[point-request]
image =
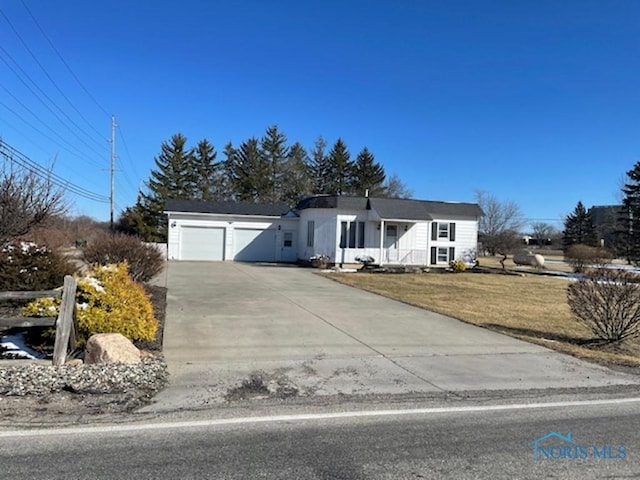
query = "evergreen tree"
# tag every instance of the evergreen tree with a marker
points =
(340, 174)
(297, 172)
(249, 172)
(206, 172)
(172, 178)
(579, 228)
(275, 151)
(628, 234)
(319, 167)
(368, 175)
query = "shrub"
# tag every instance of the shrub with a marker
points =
(145, 261)
(108, 301)
(26, 266)
(457, 266)
(607, 301)
(580, 256)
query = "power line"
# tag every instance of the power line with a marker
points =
(53, 82)
(62, 59)
(22, 160)
(43, 123)
(47, 97)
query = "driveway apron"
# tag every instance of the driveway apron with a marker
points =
(304, 334)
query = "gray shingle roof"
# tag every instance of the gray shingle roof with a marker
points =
(226, 208)
(406, 209)
(393, 208)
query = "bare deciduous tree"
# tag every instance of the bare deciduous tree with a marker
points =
(607, 301)
(500, 226)
(542, 232)
(27, 199)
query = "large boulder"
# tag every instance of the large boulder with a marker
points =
(110, 348)
(528, 258)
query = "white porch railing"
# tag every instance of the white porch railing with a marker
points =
(389, 256)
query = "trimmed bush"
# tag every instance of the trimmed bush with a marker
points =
(145, 261)
(607, 300)
(26, 266)
(580, 256)
(457, 266)
(108, 301)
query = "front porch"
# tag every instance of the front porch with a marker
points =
(383, 256)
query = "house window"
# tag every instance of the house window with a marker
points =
(344, 229)
(360, 234)
(288, 239)
(440, 255)
(443, 231)
(351, 234)
(310, 232)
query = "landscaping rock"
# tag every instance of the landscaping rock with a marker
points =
(110, 348)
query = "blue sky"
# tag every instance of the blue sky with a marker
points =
(533, 101)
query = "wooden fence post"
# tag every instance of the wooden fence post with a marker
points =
(66, 322)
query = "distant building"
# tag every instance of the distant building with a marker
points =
(607, 219)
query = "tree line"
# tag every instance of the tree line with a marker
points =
(618, 230)
(258, 170)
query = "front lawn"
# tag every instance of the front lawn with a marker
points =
(531, 307)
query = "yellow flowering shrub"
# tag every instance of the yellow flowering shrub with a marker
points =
(457, 266)
(108, 301)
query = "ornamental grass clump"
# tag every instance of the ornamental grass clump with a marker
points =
(108, 301)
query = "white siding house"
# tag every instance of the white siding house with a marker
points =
(345, 229)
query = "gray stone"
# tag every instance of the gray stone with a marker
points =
(110, 348)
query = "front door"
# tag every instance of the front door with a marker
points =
(289, 253)
(391, 242)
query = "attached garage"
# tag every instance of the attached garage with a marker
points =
(201, 243)
(226, 231)
(253, 245)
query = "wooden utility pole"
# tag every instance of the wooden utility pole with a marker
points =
(112, 170)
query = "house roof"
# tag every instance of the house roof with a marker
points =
(226, 208)
(394, 208)
(333, 201)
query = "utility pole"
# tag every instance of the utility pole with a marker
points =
(112, 170)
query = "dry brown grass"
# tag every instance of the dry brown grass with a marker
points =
(531, 307)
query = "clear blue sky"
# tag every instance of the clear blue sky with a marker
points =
(534, 101)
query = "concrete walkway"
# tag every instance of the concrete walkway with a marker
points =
(303, 332)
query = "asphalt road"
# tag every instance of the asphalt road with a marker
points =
(474, 442)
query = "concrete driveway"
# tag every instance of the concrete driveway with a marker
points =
(306, 334)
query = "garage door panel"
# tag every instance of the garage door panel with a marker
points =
(201, 243)
(253, 245)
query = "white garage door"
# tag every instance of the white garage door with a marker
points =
(254, 245)
(201, 243)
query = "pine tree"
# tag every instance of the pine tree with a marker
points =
(275, 151)
(629, 232)
(579, 228)
(206, 172)
(249, 172)
(172, 178)
(297, 172)
(319, 167)
(368, 175)
(340, 174)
